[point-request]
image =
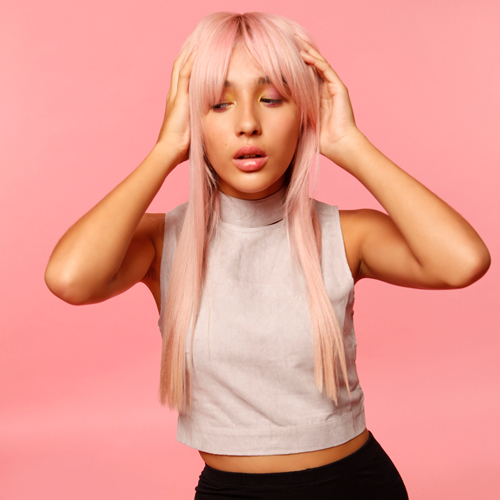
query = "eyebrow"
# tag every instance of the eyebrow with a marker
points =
(263, 80)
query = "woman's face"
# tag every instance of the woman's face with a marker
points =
(250, 113)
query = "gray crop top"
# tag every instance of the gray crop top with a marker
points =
(253, 360)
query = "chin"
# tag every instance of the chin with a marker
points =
(251, 189)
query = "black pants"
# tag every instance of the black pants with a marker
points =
(368, 473)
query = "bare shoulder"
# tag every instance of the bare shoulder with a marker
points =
(362, 219)
(154, 225)
(356, 224)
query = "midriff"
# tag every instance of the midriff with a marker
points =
(263, 464)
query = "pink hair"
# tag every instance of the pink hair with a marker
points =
(271, 41)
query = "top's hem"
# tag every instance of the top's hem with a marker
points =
(276, 441)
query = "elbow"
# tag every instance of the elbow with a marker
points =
(63, 285)
(471, 269)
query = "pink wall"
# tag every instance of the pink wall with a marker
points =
(82, 93)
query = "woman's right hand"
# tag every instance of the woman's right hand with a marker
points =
(115, 244)
(175, 130)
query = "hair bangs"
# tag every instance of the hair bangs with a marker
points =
(271, 41)
(211, 64)
(271, 51)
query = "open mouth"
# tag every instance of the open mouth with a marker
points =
(248, 152)
(250, 162)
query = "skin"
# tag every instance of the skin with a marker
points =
(421, 242)
(256, 115)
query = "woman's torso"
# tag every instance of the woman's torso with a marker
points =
(267, 463)
(284, 463)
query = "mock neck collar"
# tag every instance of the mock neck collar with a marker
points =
(252, 213)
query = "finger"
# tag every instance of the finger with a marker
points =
(324, 69)
(185, 73)
(175, 73)
(178, 63)
(309, 48)
(314, 57)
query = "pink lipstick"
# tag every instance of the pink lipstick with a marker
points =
(250, 158)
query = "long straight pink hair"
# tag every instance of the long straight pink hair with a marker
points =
(271, 41)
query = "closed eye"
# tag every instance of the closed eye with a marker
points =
(272, 102)
(221, 106)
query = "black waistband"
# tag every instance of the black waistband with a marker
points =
(323, 472)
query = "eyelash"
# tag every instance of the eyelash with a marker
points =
(264, 99)
(272, 101)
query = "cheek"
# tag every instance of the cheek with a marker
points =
(290, 130)
(214, 144)
(209, 139)
(214, 137)
(289, 139)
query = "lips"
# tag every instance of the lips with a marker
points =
(250, 158)
(249, 151)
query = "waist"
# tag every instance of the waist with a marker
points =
(284, 463)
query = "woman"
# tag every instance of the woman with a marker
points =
(254, 280)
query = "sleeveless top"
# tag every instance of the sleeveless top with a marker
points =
(253, 384)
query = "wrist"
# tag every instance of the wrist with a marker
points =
(171, 154)
(347, 150)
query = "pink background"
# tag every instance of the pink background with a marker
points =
(83, 85)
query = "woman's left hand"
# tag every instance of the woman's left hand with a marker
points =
(337, 117)
(422, 242)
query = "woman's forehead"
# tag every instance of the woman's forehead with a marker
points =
(244, 70)
(257, 82)
(242, 62)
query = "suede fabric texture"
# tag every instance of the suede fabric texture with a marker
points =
(253, 360)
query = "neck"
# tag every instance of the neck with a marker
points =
(252, 213)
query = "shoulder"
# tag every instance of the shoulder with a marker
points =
(352, 221)
(356, 222)
(153, 224)
(357, 226)
(324, 210)
(175, 218)
(156, 226)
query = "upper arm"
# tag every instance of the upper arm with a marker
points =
(141, 261)
(376, 249)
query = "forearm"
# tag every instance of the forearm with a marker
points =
(442, 241)
(91, 251)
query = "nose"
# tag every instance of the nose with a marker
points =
(247, 120)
